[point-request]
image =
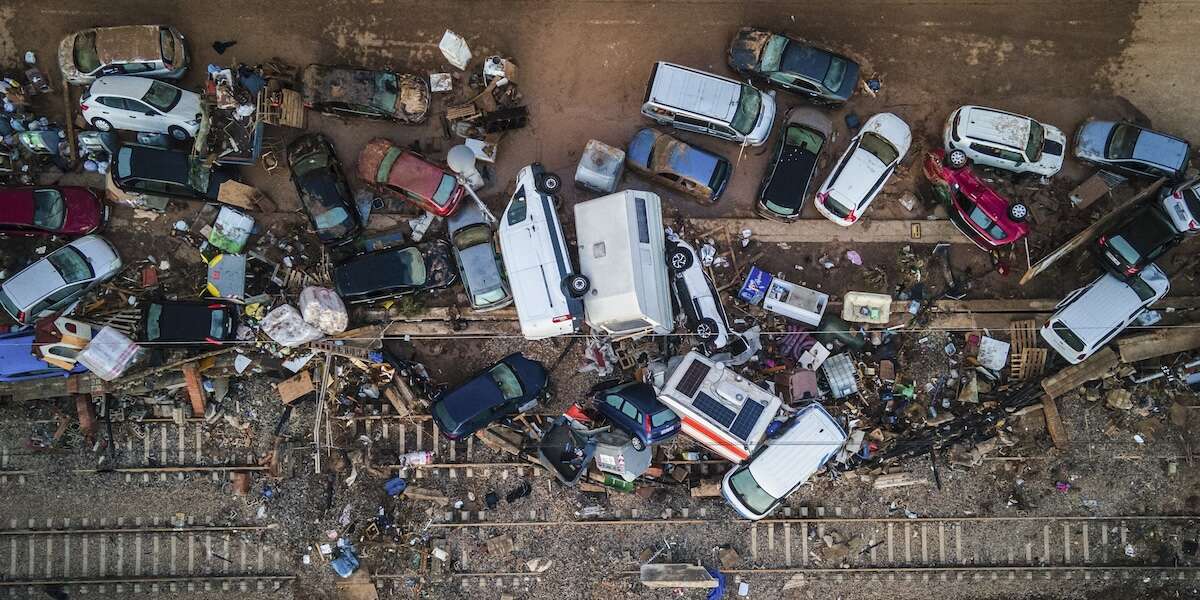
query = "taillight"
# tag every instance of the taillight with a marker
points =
(561, 318)
(1192, 225)
(1102, 239)
(1131, 270)
(20, 315)
(821, 197)
(851, 217)
(1177, 195)
(212, 341)
(83, 106)
(647, 425)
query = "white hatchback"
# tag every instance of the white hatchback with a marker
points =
(1092, 316)
(59, 278)
(1004, 140)
(141, 104)
(863, 170)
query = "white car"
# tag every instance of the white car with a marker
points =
(59, 279)
(695, 294)
(546, 289)
(141, 104)
(1004, 140)
(863, 170)
(1182, 205)
(1092, 316)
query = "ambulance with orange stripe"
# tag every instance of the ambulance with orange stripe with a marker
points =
(719, 408)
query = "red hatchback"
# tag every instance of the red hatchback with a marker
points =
(405, 174)
(985, 217)
(62, 210)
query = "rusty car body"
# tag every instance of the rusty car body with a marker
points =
(366, 94)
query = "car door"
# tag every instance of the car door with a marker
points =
(633, 415)
(112, 109)
(148, 118)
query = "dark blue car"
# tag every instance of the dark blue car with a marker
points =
(17, 362)
(634, 407)
(510, 387)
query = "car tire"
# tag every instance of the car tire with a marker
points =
(706, 330)
(576, 285)
(101, 124)
(549, 184)
(680, 259)
(1018, 212)
(957, 159)
(179, 134)
(638, 444)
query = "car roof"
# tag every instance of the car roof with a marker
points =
(16, 205)
(856, 179)
(798, 452)
(415, 174)
(790, 176)
(373, 271)
(1160, 149)
(186, 320)
(34, 282)
(805, 60)
(16, 353)
(336, 83)
(123, 85)
(676, 156)
(128, 43)
(995, 126)
(1108, 302)
(695, 91)
(157, 163)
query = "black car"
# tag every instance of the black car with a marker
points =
(162, 172)
(189, 322)
(1136, 241)
(512, 386)
(395, 272)
(804, 135)
(793, 66)
(324, 194)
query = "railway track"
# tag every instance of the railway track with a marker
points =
(136, 555)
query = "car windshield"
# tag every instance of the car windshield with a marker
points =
(747, 112)
(49, 210)
(879, 147)
(471, 236)
(162, 96)
(835, 74)
(772, 54)
(386, 90)
(506, 380)
(491, 296)
(123, 161)
(1121, 141)
(216, 327)
(166, 42)
(70, 264)
(329, 218)
(1037, 135)
(1068, 336)
(662, 417)
(985, 223)
(86, 58)
(445, 190)
(749, 493)
(153, 315)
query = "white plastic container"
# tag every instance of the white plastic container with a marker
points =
(795, 302)
(109, 354)
(865, 307)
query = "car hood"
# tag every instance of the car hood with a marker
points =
(66, 58)
(479, 264)
(85, 210)
(1091, 139)
(1159, 149)
(188, 107)
(746, 48)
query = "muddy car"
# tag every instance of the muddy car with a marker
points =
(676, 164)
(786, 185)
(981, 214)
(145, 50)
(793, 66)
(365, 94)
(395, 272)
(324, 194)
(391, 170)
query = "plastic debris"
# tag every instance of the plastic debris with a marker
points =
(854, 257)
(455, 49)
(708, 253)
(323, 308)
(286, 326)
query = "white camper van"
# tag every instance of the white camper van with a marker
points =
(620, 239)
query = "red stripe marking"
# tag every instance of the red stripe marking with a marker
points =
(715, 438)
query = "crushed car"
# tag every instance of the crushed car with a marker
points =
(143, 50)
(979, 212)
(366, 94)
(676, 164)
(404, 174)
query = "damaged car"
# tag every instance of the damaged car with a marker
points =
(317, 174)
(392, 170)
(395, 272)
(793, 66)
(154, 171)
(788, 180)
(143, 50)
(50, 210)
(366, 94)
(634, 408)
(513, 386)
(695, 294)
(1182, 204)
(189, 322)
(1136, 241)
(678, 165)
(981, 214)
(1004, 140)
(59, 279)
(865, 167)
(473, 239)
(1132, 150)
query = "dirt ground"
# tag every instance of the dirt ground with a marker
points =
(583, 70)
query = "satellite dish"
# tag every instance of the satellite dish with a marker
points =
(461, 160)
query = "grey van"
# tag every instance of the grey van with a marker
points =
(694, 100)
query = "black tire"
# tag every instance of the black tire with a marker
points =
(638, 444)
(957, 159)
(1018, 212)
(101, 124)
(179, 134)
(680, 259)
(549, 184)
(576, 285)
(706, 330)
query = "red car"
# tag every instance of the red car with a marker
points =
(392, 170)
(62, 210)
(985, 217)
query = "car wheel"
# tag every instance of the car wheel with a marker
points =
(680, 259)
(1018, 212)
(957, 159)
(549, 184)
(638, 444)
(577, 285)
(179, 133)
(706, 330)
(101, 124)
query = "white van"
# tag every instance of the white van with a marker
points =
(546, 289)
(697, 101)
(718, 407)
(1092, 316)
(620, 239)
(756, 488)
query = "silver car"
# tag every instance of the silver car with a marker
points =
(143, 50)
(59, 279)
(472, 238)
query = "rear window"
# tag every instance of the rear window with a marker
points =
(1037, 135)
(49, 210)
(1193, 202)
(835, 75)
(166, 41)
(1124, 249)
(124, 156)
(662, 417)
(1068, 336)
(86, 58)
(153, 316)
(643, 226)
(1141, 288)
(70, 264)
(216, 327)
(506, 379)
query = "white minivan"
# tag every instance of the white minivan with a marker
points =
(1092, 316)
(547, 291)
(694, 100)
(620, 238)
(757, 487)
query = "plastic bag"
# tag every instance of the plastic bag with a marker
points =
(110, 353)
(286, 326)
(323, 308)
(455, 49)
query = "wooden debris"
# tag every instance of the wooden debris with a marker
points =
(416, 493)
(86, 415)
(707, 489)
(657, 576)
(1098, 366)
(538, 565)
(195, 390)
(241, 483)
(896, 480)
(1158, 343)
(500, 546)
(296, 387)
(501, 439)
(396, 401)
(1054, 424)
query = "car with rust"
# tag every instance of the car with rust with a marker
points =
(978, 211)
(1132, 150)
(676, 164)
(1004, 140)
(143, 50)
(65, 210)
(394, 272)
(1135, 241)
(365, 93)
(864, 168)
(793, 65)
(324, 194)
(404, 174)
(804, 135)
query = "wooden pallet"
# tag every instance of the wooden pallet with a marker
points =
(1024, 334)
(1028, 363)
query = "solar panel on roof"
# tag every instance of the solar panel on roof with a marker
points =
(692, 378)
(714, 409)
(744, 424)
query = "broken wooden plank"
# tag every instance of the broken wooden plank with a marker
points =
(1054, 424)
(195, 389)
(1158, 343)
(295, 387)
(1095, 367)
(657, 576)
(896, 480)
(393, 398)
(707, 489)
(416, 493)
(820, 231)
(501, 439)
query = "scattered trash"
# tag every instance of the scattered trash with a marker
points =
(854, 257)
(455, 49)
